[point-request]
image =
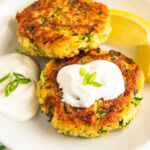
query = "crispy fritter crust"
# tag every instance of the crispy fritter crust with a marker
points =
(60, 28)
(101, 117)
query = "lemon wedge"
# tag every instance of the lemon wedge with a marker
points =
(143, 59)
(128, 29)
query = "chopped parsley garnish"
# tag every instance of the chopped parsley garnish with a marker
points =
(11, 86)
(89, 78)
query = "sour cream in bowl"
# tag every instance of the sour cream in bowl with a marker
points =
(18, 77)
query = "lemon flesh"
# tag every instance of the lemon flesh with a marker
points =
(128, 29)
(143, 59)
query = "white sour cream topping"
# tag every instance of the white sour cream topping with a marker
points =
(78, 95)
(21, 104)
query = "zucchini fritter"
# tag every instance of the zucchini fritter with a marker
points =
(101, 117)
(61, 28)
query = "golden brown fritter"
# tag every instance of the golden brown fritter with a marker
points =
(61, 28)
(101, 117)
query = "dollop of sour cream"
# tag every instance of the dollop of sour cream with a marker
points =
(22, 103)
(78, 95)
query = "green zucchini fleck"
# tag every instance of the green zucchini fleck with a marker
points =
(103, 113)
(100, 13)
(69, 133)
(122, 124)
(136, 101)
(50, 113)
(136, 91)
(103, 131)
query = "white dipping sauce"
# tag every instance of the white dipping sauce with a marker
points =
(108, 74)
(22, 103)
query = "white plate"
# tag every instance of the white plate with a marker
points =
(37, 134)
